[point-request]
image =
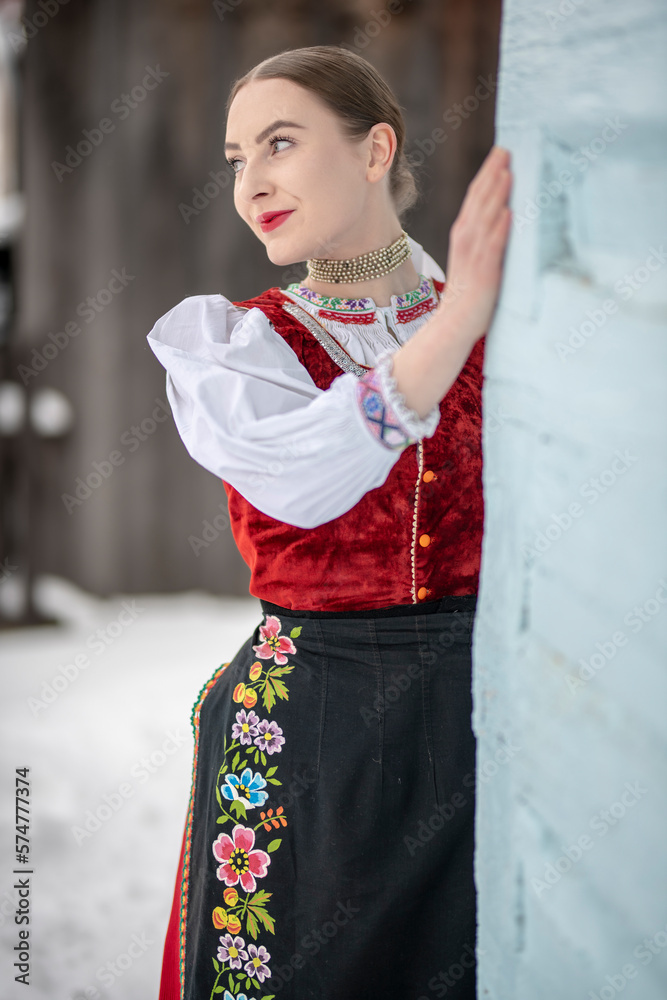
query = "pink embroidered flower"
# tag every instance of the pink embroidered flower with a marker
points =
(232, 950)
(238, 860)
(257, 965)
(245, 727)
(274, 646)
(269, 736)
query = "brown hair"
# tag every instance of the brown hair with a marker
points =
(352, 89)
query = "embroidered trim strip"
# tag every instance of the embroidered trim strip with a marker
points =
(379, 415)
(185, 875)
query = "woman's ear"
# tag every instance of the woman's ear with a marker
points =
(381, 150)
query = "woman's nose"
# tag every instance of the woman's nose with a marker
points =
(253, 182)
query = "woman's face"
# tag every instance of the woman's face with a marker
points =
(290, 155)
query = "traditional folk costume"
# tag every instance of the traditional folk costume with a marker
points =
(328, 847)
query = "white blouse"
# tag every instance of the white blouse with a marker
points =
(249, 412)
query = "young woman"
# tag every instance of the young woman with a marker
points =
(328, 848)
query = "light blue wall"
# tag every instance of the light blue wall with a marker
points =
(570, 642)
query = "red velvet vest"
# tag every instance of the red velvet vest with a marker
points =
(416, 538)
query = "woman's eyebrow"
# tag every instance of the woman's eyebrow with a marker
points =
(266, 132)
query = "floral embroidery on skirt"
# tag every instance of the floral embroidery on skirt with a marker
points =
(240, 962)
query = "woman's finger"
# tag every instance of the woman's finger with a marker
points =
(472, 229)
(484, 183)
(496, 199)
(497, 159)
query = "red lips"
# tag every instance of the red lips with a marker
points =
(267, 216)
(271, 220)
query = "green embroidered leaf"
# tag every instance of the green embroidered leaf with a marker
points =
(268, 696)
(256, 756)
(235, 762)
(231, 981)
(238, 808)
(260, 898)
(247, 983)
(259, 913)
(263, 756)
(281, 690)
(279, 671)
(216, 965)
(274, 781)
(274, 845)
(272, 770)
(267, 920)
(268, 996)
(251, 923)
(218, 989)
(296, 632)
(255, 983)
(217, 796)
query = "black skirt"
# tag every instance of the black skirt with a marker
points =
(328, 850)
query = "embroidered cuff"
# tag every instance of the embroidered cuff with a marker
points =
(384, 409)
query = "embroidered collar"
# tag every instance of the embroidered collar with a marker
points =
(405, 307)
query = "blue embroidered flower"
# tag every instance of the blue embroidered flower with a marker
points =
(247, 789)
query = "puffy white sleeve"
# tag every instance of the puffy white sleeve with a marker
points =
(249, 412)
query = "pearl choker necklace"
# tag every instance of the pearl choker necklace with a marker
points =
(373, 264)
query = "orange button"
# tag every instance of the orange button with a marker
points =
(424, 540)
(428, 476)
(421, 593)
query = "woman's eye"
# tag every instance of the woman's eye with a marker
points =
(275, 142)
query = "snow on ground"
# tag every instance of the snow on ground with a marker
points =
(119, 715)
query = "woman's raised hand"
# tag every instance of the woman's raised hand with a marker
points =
(477, 242)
